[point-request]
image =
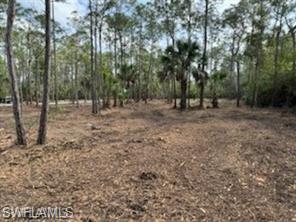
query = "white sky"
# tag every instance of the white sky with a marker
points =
(62, 10)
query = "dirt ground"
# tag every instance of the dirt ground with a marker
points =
(153, 163)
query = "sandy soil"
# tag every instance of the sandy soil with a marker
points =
(153, 163)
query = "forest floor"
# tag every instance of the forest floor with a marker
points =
(153, 163)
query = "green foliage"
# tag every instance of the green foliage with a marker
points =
(180, 57)
(4, 81)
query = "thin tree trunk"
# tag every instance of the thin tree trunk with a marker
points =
(189, 41)
(29, 94)
(183, 93)
(140, 66)
(72, 76)
(148, 75)
(175, 92)
(115, 66)
(85, 94)
(232, 61)
(255, 83)
(258, 60)
(174, 75)
(20, 131)
(54, 57)
(121, 50)
(20, 84)
(115, 53)
(37, 82)
(96, 59)
(238, 96)
(76, 80)
(276, 65)
(94, 81)
(292, 30)
(189, 88)
(294, 50)
(29, 98)
(44, 109)
(204, 57)
(101, 65)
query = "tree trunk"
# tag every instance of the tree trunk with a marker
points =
(258, 59)
(189, 88)
(189, 41)
(174, 75)
(232, 62)
(276, 64)
(255, 82)
(149, 74)
(183, 84)
(140, 68)
(115, 66)
(96, 59)
(29, 92)
(101, 66)
(44, 109)
(20, 131)
(76, 80)
(93, 77)
(215, 102)
(238, 96)
(204, 57)
(175, 92)
(115, 100)
(37, 82)
(293, 35)
(115, 53)
(72, 77)
(54, 70)
(121, 50)
(20, 84)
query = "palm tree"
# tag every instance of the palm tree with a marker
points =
(181, 57)
(216, 80)
(168, 73)
(200, 76)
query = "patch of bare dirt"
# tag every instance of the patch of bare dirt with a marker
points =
(153, 163)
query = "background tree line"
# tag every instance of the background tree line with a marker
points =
(122, 51)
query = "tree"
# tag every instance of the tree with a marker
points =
(235, 19)
(4, 80)
(54, 64)
(152, 29)
(204, 55)
(184, 54)
(215, 81)
(94, 96)
(168, 71)
(280, 9)
(291, 23)
(20, 131)
(260, 26)
(115, 51)
(169, 13)
(102, 7)
(45, 100)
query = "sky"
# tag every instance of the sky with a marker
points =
(63, 11)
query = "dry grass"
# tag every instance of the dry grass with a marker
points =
(153, 163)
